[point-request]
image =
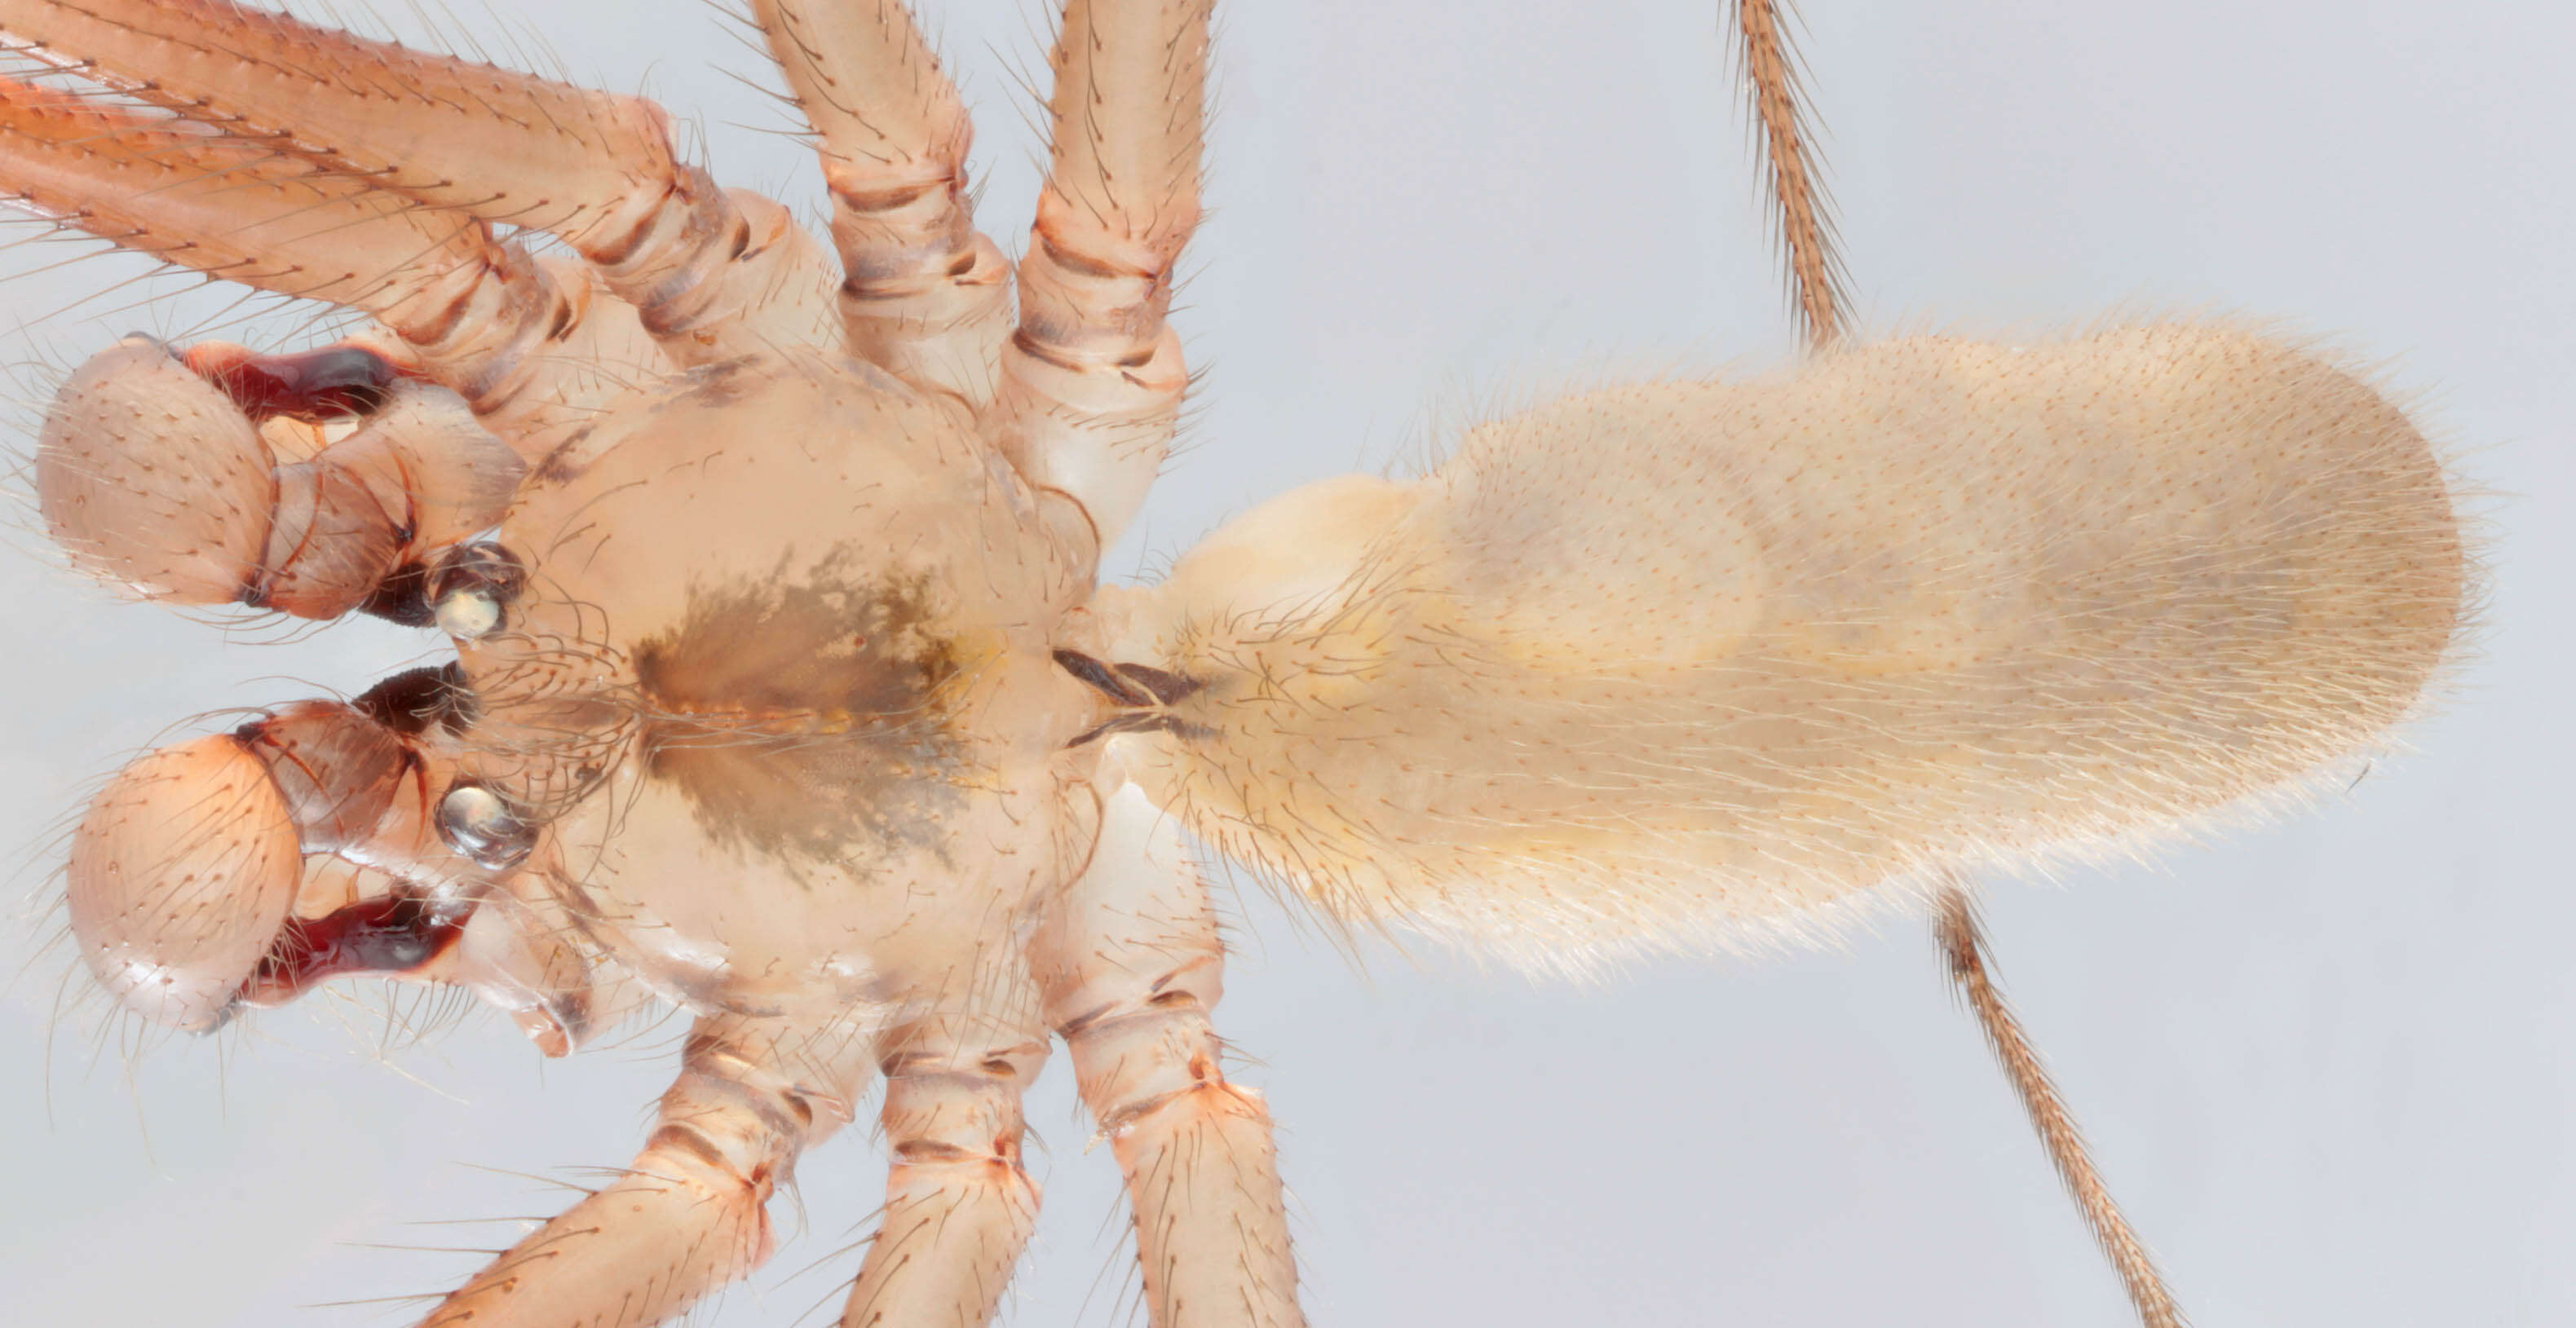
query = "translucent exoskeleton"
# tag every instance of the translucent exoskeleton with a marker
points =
(1572, 1139)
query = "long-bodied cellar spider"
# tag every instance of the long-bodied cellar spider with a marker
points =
(1478, 1141)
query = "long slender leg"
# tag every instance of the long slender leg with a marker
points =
(925, 295)
(689, 1215)
(1805, 215)
(1963, 946)
(1092, 381)
(715, 273)
(1132, 966)
(468, 311)
(959, 1204)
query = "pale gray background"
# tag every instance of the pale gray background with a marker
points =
(2328, 1065)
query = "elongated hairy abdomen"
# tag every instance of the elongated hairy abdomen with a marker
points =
(1678, 664)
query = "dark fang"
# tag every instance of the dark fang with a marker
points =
(417, 700)
(1143, 721)
(314, 385)
(393, 934)
(1165, 686)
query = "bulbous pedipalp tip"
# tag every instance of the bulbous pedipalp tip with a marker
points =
(183, 871)
(153, 474)
(152, 479)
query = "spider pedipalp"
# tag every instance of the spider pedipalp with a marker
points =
(191, 869)
(155, 473)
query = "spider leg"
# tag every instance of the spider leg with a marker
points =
(1965, 952)
(1092, 381)
(959, 1204)
(518, 340)
(1131, 966)
(690, 1214)
(716, 274)
(926, 296)
(1803, 214)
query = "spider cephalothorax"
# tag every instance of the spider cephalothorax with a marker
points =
(835, 692)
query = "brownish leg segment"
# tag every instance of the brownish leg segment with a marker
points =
(1803, 216)
(1963, 946)
(1803, 213)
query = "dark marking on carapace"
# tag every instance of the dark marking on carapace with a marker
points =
(806, 719)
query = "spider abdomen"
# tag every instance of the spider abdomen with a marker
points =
(1684, 663)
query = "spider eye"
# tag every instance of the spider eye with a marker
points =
(481, 825)
(472, 587)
